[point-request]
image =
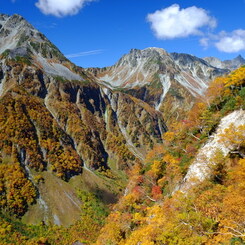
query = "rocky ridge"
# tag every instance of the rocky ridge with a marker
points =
(169, 82)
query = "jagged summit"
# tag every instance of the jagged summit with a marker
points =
(154, 69)
(12, 31)
(138, 67)
(240, 58)
(235, 63)
(137, 56)
(148, 51)
(14, 19)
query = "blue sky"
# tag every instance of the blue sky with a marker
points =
(98, 32)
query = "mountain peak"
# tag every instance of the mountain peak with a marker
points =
(235, 63)
(239, 58)
(137, 56)
(159, 50)
(142, 70)
(226, 64)
(19, 38)
(14, 21)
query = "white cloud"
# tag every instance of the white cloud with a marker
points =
(228, 42)
(204, 42)
(173, 22)
(61, 8)
(231, 42)
(85, 53)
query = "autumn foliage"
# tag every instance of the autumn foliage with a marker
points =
(150, 210)
(213, 212)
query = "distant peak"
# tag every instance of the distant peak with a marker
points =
(20, 38)
(239, 57)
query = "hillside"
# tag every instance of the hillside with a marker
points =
(60, 129)
(163, 201)
(190, 190)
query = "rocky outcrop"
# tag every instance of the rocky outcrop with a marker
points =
(203, 164)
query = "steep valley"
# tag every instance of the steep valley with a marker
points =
(55, 120)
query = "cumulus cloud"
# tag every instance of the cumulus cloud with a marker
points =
(61, 8)
(173, 22)
(231, 42)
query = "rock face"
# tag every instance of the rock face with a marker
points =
(59, 124)
(140, 68)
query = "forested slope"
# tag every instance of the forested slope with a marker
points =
(212, 209)
(152, 210)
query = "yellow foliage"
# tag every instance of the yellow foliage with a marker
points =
(169, 136)
(156, 167)
(234, 136)
(236, 78)
(17, 191)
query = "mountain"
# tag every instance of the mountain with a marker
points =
(168, 82)
(226, 64)
(61, 131)
(20, 38)
(153, 135)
